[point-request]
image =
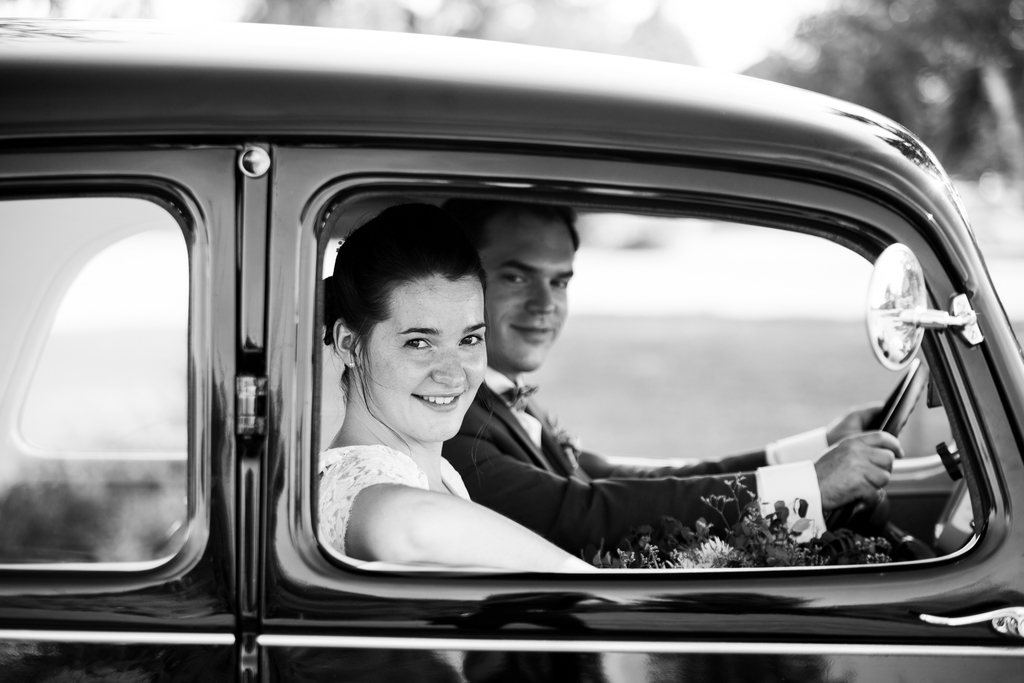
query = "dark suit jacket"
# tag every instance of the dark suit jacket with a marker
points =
(542, 490)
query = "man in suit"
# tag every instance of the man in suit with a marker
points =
(514, 461)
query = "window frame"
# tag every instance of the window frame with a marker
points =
(925, 466)
(312, 180)
(163, 179)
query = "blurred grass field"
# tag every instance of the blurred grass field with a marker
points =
(706, 387)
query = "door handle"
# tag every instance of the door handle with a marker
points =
(1008, 620)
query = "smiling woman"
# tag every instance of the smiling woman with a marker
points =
(417, 368)
(404, 311)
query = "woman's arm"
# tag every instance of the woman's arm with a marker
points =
(394, 523)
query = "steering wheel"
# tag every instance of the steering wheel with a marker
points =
(872, 517)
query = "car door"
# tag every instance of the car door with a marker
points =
(325, 619)
(117, 395)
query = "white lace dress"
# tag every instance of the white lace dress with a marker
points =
(344, 472)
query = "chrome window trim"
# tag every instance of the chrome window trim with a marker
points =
(631, 646)
(119, 637)
(397, 570)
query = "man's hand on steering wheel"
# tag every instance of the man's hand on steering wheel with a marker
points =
(859, 420)
(867, 506)
(856, 468)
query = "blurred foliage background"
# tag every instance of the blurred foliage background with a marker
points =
(950, 71)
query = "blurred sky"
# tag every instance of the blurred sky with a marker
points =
(727, 35)
(733, 35)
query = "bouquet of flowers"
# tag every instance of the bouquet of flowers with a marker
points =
(753, 541)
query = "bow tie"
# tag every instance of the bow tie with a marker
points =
(516, 397)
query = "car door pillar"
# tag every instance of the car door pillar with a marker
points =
(253, 174)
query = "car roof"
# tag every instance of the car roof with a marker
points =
(149, 81)
(153, 78)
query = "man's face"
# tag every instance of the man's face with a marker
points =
(528, 260)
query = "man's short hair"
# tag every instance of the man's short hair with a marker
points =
(474, 214)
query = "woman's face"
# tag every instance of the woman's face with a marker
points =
(425, 362)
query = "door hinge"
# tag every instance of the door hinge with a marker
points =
(250, 405)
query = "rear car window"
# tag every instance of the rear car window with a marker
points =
(93, 369)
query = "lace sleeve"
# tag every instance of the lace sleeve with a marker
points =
(347, 471)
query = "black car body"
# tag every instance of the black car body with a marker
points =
(165, 114)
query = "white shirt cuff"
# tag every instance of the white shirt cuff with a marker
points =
(792, 484)
(807, 446)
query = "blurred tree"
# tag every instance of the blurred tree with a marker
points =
(950, 71)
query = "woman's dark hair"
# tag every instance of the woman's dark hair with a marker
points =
(401, 244)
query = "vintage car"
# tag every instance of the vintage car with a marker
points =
(171, 199)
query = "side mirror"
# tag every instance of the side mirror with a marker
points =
(897, 312)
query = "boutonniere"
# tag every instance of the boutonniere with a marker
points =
(568, 442)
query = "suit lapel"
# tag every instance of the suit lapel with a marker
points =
(504, 414)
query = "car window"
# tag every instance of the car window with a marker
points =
(93, 360)
(709, 338)
(692, 339)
